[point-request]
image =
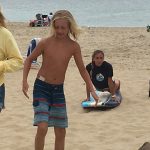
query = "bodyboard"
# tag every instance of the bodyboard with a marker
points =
(106, 100)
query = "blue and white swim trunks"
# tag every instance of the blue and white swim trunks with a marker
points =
(49, 104)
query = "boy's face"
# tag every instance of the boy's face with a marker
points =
(61, 28)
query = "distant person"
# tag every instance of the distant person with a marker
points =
(101, 73)
(148, 28)
(10, 56)
(48, 94)
(33, 43)
(50, 17)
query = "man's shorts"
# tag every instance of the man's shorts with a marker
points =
(49, 104)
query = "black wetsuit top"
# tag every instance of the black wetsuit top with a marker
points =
(100, 74)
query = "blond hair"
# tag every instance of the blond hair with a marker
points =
(73, 27)
(2, 19)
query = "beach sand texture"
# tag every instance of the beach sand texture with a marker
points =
(126, 127)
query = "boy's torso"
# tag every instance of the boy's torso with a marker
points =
(56, 56)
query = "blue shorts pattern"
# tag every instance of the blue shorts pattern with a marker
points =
(2, 96)
(49, 104)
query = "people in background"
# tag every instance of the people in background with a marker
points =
(50, 15)
(33, 43)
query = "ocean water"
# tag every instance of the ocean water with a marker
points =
(103, 13)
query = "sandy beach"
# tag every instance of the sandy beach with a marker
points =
(126, 127)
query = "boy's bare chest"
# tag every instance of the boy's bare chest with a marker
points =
(60, 54)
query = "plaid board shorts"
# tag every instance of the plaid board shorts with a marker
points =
(49, 104)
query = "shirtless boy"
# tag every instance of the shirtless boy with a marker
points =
(48, 95)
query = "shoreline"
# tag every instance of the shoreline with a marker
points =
(83, 26)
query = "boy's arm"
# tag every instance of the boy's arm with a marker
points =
(27, 64)
(87, 93)
(26, 69)
(83, 72)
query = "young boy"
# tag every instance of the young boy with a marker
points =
(48, 95)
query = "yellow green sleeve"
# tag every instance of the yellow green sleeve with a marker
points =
(14, 60)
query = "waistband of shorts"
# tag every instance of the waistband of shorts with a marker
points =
(42, 81)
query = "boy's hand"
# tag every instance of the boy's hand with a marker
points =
(25, 88)
(95, 97)
(86, 99)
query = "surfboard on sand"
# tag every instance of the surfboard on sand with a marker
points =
(106, 100)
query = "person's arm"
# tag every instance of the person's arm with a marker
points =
(87, 90)
(110, 82)
(13, 59)
(27, 64)
(84, 73)
(88, 68)
(87, 94)
(111, 86)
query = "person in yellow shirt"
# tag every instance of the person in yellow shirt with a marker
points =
(10, 56)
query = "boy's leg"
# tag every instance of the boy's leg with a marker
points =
(41, 113)
(59, 138)
(40, 135)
